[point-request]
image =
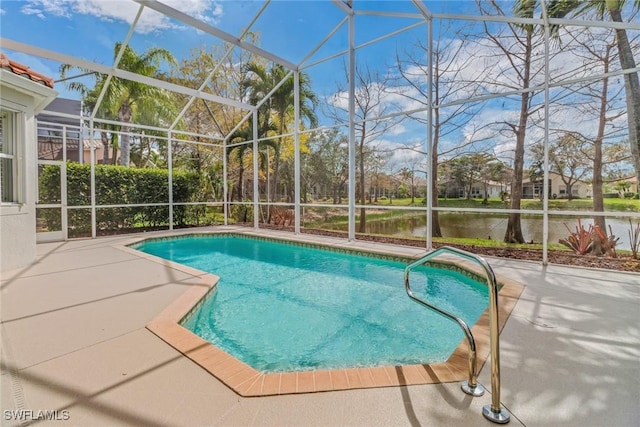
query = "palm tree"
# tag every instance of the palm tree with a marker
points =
(562, 8)
(280, 106)
(127, 99)
(245, 134)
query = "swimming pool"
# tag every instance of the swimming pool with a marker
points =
(280, 307)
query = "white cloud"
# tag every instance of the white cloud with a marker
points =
(2, 11)
(125, 11)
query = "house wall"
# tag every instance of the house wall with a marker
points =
(583, 189)
(18, 220)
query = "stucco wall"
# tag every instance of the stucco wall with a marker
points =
(17, 221)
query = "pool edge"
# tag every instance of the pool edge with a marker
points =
(248, 382)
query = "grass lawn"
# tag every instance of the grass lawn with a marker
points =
(612, 205)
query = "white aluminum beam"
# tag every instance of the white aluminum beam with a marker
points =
(326, 58)
(430, 150)
(391, 34)
(360, 46)
(296, 161)
(389, 14)
(545, 158)
(343, 7)
(424, 10)
(116, 61)
(236, 127)
(272, 91)
(209, 29)
(92, 177)
(315, 49)
(539, 21)
(352, 129)
(225, 191)
(256, 193)
(170, 178)
(217, 66)
(127, 75)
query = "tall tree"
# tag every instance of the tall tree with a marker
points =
(279, 108)
(370, 103)
(469, 169)
(517, 46)
(408, 177)
(328, 159)
(450, 60)
(567, 158)
(561, 8)
(596, 51)
(238, 152)
(127, 98)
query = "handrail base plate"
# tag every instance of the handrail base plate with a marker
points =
(500, 417)
(476, 391)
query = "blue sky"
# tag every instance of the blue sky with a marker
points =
(89, 29)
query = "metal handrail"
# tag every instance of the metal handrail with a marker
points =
(494, 412)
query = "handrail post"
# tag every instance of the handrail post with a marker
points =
(470, 386)
(493, 412)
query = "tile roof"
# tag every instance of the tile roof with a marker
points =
(23, 70)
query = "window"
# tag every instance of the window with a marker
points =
(562, 189)
(8, 163)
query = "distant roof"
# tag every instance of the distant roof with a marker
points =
(628, 179)
(23, 70)
(66, 106)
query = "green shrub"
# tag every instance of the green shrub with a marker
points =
(118, 185)
(242, 213)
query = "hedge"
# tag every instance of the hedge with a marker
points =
(118, 185)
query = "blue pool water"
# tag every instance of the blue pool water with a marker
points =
(281, 307)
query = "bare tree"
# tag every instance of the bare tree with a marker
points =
(614, 8)
(370, 103)
(596, 135)
(567, 158)
(514, 52)
(449, 60)
(327, 160)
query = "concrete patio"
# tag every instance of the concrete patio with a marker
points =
(74, 339)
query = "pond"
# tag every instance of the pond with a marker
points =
(486, 226)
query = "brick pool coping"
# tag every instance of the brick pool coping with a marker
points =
(247, 381)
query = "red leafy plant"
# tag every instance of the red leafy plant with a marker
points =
(634, 239)
(581, 240)
(607, 243)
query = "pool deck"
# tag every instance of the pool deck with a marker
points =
(74, 339)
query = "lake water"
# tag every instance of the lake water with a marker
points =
(483, 226)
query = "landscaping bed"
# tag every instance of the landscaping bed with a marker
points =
(621, 263)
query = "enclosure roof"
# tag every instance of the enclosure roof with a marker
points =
(89, 37)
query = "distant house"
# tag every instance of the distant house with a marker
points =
(60, 124)
(453, 190)
(631, 181)
(557, 188)
(50, 148)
